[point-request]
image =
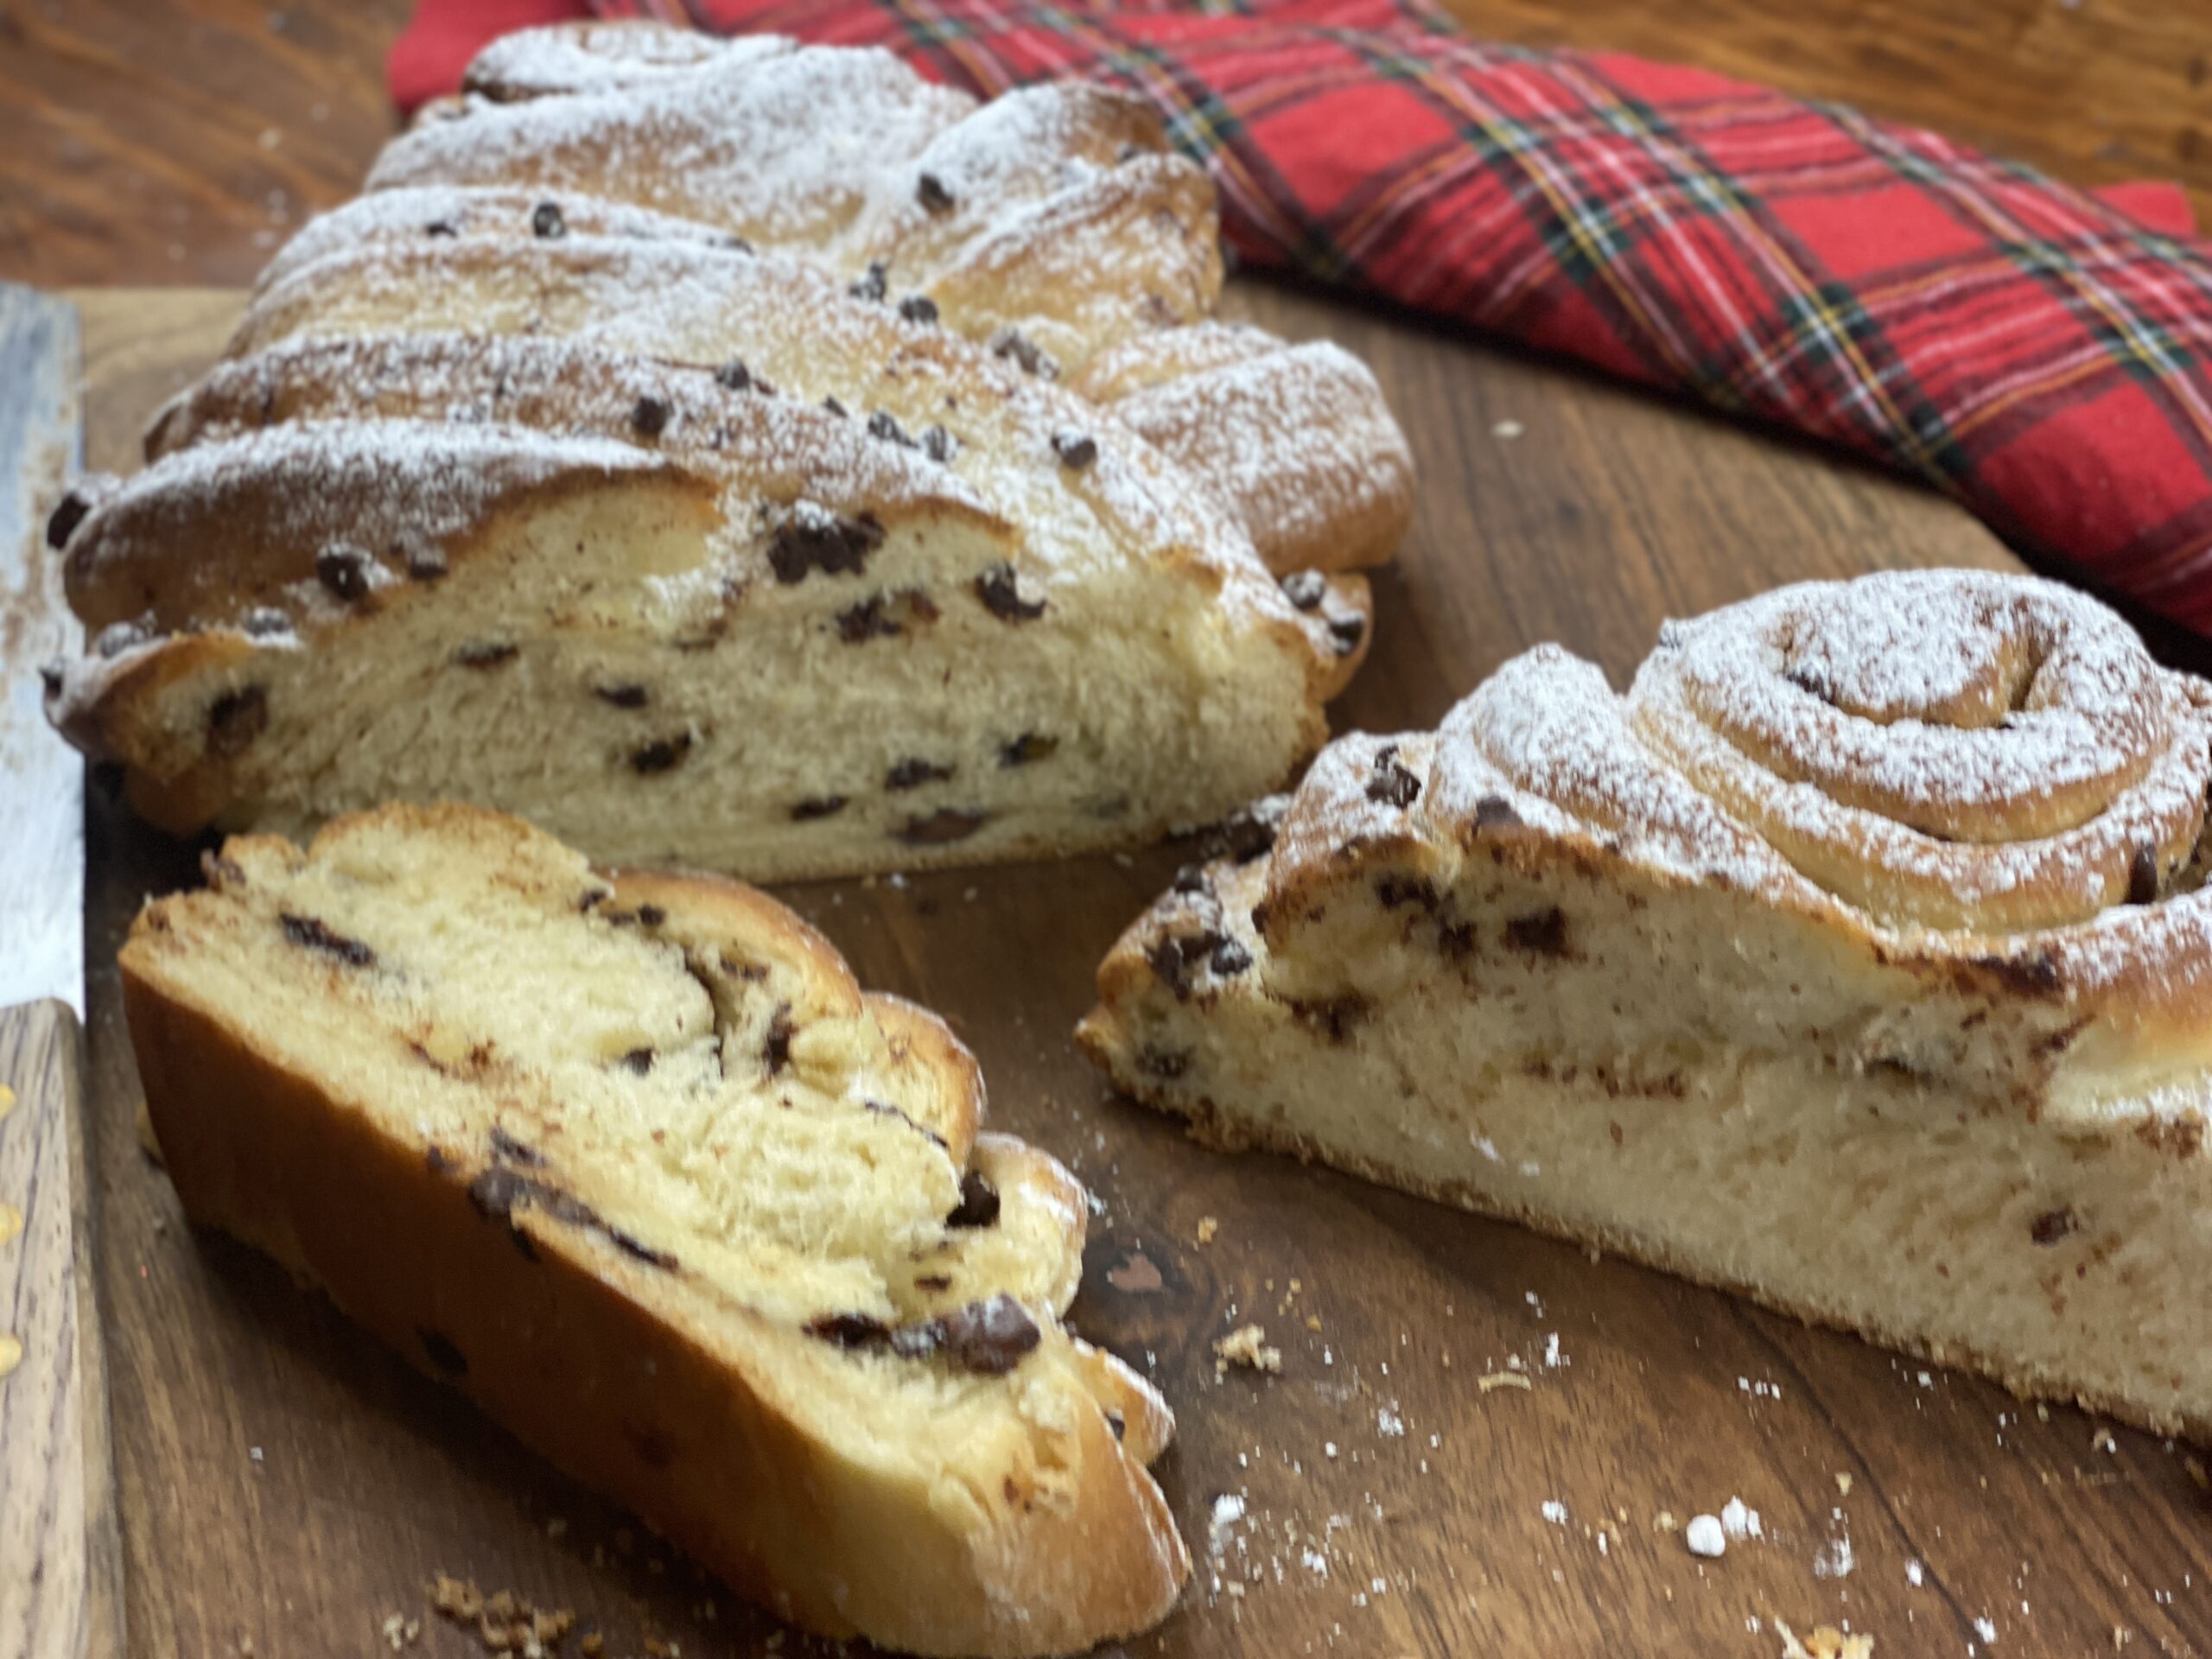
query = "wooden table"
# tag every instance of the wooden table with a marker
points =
(286, 1483)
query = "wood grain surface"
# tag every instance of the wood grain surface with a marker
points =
(289, 1485)
(162, 142)
(60, 1552)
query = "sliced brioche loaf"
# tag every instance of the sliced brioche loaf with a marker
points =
(633, 1163)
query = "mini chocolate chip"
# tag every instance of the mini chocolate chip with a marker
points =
(1074, 449)
(1012, 343)
(864, 621)
(442, 227)
(424, 559)
(917, 308)
(776, 1046)
(914, 771)
(930, 190)
(638, 1248)
(1305, 588)
(1173, 958)
(53, 675)
(989, 1338)
(1392, 784)
(68, 513)
(649, 415)
(1248, 832)
(1027, 749)
(734, 375)
(662, 754)
(874, 284)
(639, 1060)
(1115, 1420)
(836, 408)
(818, 807)
(547, 221)
(438, 1161)
(833, 546)
(624, 694)
(485, 653)
(939, 445)
(941, 828)
(731, 242)
(1394, 891)
(850, 1330)
(1495, 812)
(885, 425)
(310, 933)
(506, 1145)
(118, 637)
(650, 915)
(261, 621)
(235, 720)
(344, 569)
(2052, 1225)
(933, 1282)
(1347, 632)
(979, 1203)
(1000, 592)
(1541, 933)
(442, 1352)
(1192, 878)
(1231, 957)
(2143, 875)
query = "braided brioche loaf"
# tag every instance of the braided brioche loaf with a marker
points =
(633, 1163)
(1858, 959)
(674, 535)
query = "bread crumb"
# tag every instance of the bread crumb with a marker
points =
(1312, 1321)
(1489, 1380)
(1246, 1346)
(1842, 1484)
(1208, 1226)
(1824, 1643)
(401, 1633)
(1664, 1522)
(1706, 1537)
(2103, 1441)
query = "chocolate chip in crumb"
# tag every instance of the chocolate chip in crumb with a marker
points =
(941, 828)
(1495, 812)
(816, 806)
(776, 1046)
(506, 1146)
(917, 308)
(1000, 591)
(650, 915)
(1229, 958)
(442, 227)
(874, 284)
(424, 559)
(2052, 1225)
(624, 694)
(67, 514)
(830, 544)
(734, 375)
(979, 1203)
(884, 424)
(1541, 933)
(1305, 588)
(930, 190)
(1076, 450)
(649, 415)
(53, 675)
(1116, 1421)
(547, 221)
(850, 1330)
(939, 445)
(1027, 749)
(1347, 632)
(1192, 878)
(1025, 352)
(481, 654)
(343, 568)
(2143, 875)
(914, 771)
(662, 754)
(989, 1338)
(1247, 833)
(836, 408)
(235, 720)
(639, 1060)
(310, 933)
(1391, 784)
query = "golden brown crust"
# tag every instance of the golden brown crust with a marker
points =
(633, 1373)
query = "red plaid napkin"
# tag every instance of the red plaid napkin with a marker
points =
(2042, 353)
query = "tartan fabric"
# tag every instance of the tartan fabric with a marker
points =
(2040, 352)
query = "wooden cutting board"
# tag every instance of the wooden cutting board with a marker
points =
(288, 1485)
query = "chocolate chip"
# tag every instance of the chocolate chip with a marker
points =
(650, 915)
(442, 227)
(874, 284)
(818, 807)
(53, 675)
(1231, 957)
(624, 694)
(2143, 875)
(1392, 785)
(1192, 878)
(1394, 891)
(1495, 812)
(1305, 588)
(1248, 832)
(662, 754)
(424, 559)
(637, 1247)
(939, 445)
(865, 621)
(930, 190)
(831, 545)
(68, 513)
(1541, 933)
(1027, 749)
(979, 1203)
(917, 308)
(639, 1060)
(776, 1045)
(485, 653)
(235, 720)
(547, 221)
(442, 1352)
(1012, 343)
(344, 569)
(989, 1338)
(1115, 1420)
(734, 375)
(118, 637)
(1076, 450)
(506, 1145)
(1173, 958)
(2052, 1225)
(1347, 632)
(933, 1282)
(885, 425)
(1000, 592)
(836, 408)
(649, 415)
(850, 1330)
(941, 828)
(261, 621)
(914, 771)
(310, 933)
(731, 242)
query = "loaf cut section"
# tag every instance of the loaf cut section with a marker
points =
(633, 1163)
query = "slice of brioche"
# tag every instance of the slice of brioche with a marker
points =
(1579, 960)
(633, 1163)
